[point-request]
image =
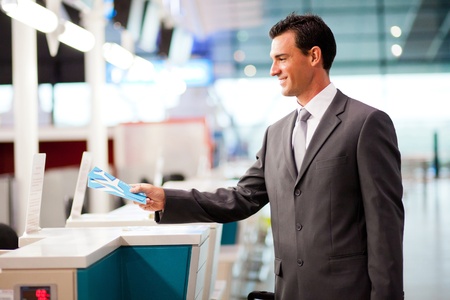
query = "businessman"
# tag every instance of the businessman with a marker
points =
(335, 192)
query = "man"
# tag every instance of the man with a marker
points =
(337, 221)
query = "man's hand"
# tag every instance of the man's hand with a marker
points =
(156, 199)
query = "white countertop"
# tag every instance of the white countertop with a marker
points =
(137, 217)
(72, 248)
(126, 215)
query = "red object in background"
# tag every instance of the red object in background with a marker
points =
(34, 293)
(41, 294)
(59, 154)
(6, 158)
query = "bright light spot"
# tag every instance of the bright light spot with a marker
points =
(171, 83)
(9, 6)
(45, 95)
(396, 50)
(250, 70)
(31, 14)
(6, 97)
(77, 37)
(116, 75)
(141, 70)
(118, 56)
(396, 31)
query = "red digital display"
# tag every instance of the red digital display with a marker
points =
(35, 293)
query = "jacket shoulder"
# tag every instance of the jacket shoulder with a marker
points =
(353, 105)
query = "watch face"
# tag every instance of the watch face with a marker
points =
(35, 292)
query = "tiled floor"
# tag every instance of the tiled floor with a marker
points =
(426, 245)
(427, 240)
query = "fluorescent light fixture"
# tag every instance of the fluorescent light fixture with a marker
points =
(118, 55)
(31, 14)
(150, 27)
(171, 83)
(8, 5)
(141, 70)
(76, 37)
(180, 46)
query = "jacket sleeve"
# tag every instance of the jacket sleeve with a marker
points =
(222, 206)
(379, 166)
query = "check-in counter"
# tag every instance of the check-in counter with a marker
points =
(141, 262)
(132, 215)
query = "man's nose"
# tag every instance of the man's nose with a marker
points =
(274, 70)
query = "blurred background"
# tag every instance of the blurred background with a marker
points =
(211, 59)
(203, 67)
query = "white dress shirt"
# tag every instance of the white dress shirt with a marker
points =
(317, 107)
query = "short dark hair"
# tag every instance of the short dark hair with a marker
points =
(310, 30)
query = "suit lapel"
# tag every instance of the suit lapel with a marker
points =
(287, 138)
(329, 122)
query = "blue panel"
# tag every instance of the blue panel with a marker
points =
(229, 233)
(136, 273)
(102, 280)
(155, 272)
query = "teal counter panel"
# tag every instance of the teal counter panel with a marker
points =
(229, 233)
(155, 272)
(102, 280)
(139, 272)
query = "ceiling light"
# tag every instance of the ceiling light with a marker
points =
(250, 70)
(76, 37)
(396, 50)
(171, 82)
(396, 31)
(118, 55)
(31, 14)
(141, 70)
(8, 5)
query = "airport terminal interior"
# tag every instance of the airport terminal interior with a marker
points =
(178, 93)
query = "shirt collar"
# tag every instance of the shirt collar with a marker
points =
(319, 104)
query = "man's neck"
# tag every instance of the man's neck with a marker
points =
(316, 88)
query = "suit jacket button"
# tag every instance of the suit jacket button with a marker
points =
(297, 193)
(299, 262)
(299, 226)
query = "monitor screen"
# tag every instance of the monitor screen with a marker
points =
(35, 292)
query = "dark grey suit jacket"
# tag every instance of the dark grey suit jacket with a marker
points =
(338, 224)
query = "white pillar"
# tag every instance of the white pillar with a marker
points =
(26, 141)
(95, 71)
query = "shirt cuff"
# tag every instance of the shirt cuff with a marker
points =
(158, 215)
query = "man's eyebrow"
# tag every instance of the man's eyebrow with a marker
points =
(279, 55)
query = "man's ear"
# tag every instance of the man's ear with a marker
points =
(316, 55)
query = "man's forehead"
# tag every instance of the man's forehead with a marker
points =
(282, 45)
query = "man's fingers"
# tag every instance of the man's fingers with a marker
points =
(136, 188)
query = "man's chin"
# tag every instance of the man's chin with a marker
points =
(286, 93)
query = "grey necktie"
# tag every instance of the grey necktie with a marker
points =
(300, 137)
